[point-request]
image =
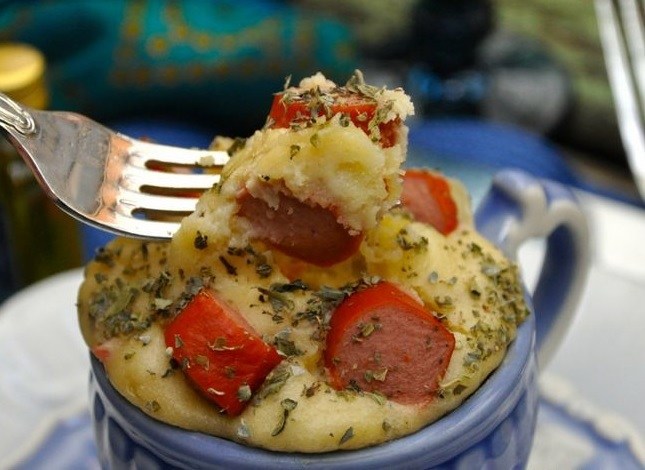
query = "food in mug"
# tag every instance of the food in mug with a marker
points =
(319, 297)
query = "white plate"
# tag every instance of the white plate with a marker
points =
(44, 369)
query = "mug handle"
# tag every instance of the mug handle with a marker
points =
(519, 207)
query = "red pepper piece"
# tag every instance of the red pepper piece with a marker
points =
(427, 196)
(382, 340)
(219, 352)
(360, 110)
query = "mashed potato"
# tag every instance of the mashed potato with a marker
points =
(338, 176)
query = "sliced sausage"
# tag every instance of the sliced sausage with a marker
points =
(427, 196)
(382, 340)
(307, 232)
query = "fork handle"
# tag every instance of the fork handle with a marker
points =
(14, 117)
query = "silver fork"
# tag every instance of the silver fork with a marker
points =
(107, 179)
(622, 34)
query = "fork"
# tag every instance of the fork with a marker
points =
(622, 35)
(106, 179)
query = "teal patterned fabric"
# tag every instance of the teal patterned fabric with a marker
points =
(212, 61)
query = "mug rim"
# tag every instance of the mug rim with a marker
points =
(452, 434)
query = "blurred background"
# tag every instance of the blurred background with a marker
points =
(495, 82)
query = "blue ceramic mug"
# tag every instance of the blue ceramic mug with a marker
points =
(492, 429)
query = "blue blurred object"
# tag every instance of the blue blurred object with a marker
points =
(496, 146)
(468, 148)
(201, 60)
(166, 131)
(460, 94)
(163, 131)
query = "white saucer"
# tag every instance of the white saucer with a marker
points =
(45, 365)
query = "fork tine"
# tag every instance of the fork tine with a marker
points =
(119, 220)
(143, 152)
(135, 178)
(149, 229)
(135, 200)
